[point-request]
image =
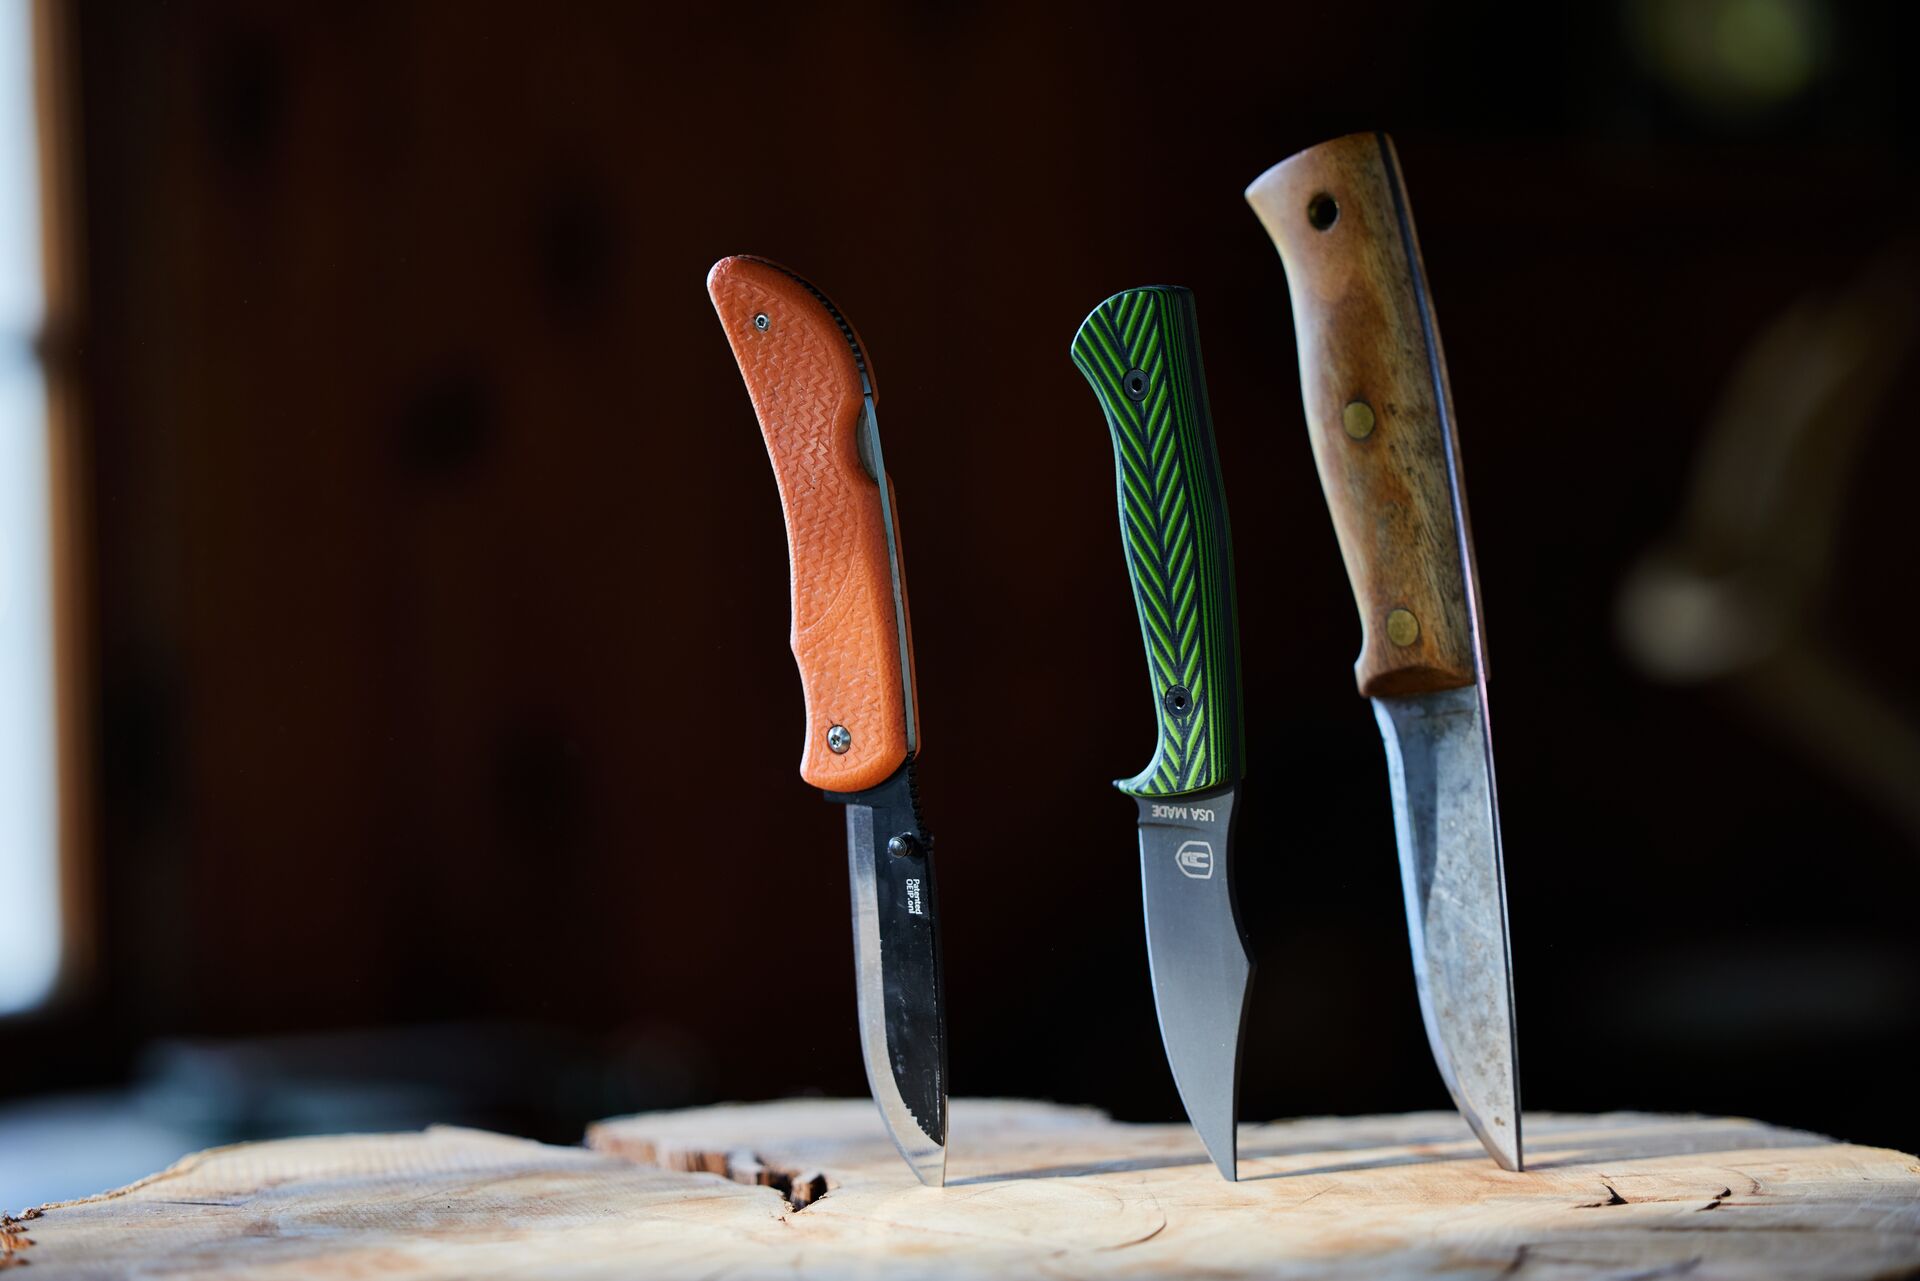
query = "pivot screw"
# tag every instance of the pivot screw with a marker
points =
(761, 322)
(903, 846)
(1403, 629)
(839, 738)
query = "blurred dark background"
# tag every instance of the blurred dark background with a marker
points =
(441, 728)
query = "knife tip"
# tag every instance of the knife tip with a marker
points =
(931, 1168)
(1221, 1139)
(1501, 1140)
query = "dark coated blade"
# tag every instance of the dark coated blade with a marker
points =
(1448, 823)
(1201, 971)
(896, 951)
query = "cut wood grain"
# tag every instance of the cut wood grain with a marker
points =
(1032, 1188)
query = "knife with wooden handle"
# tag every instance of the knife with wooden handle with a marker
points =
(1380, 415)
(806, 372)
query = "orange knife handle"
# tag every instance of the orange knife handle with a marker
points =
(805, 371)
(1374, 384)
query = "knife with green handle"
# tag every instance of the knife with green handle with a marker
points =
(1380, 414)
(1140, 351)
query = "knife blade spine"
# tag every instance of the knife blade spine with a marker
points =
(1443, 403)
(1456, 483)
(896, 572)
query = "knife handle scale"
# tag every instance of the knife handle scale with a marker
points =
(1379, 411)
(804, 370)
(1140, 351)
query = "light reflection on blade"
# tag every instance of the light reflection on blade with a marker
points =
(902, 1024)
(1441, 771)
(1201, 971)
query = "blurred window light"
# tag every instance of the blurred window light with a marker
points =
(29, 839)
(1734, 58)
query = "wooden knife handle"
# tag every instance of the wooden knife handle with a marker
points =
(806, 372)
(1374, 383)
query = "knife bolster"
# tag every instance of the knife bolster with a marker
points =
(1378, 409)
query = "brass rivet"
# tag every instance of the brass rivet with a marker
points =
(1403, 629)
(1357, 418)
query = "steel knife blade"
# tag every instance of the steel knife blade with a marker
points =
(806, 372)
(1380, 415)
(1140, 351)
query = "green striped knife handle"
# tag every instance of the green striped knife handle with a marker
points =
(1141, 352)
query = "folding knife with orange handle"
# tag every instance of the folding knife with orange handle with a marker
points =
(806, 372)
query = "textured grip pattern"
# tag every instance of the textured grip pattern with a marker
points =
(1140, 350)
(804, 372)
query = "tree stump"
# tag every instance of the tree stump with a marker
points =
(814, 1189)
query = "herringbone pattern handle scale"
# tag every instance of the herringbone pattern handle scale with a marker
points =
(1140, 351)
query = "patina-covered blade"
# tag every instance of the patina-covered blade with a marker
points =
(1379, 411)
(896, 950)
(1201, 971)
(1440, 767)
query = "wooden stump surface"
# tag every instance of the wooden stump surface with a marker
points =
(814, 1189)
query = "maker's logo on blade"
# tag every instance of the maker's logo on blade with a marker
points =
(1195, 859)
